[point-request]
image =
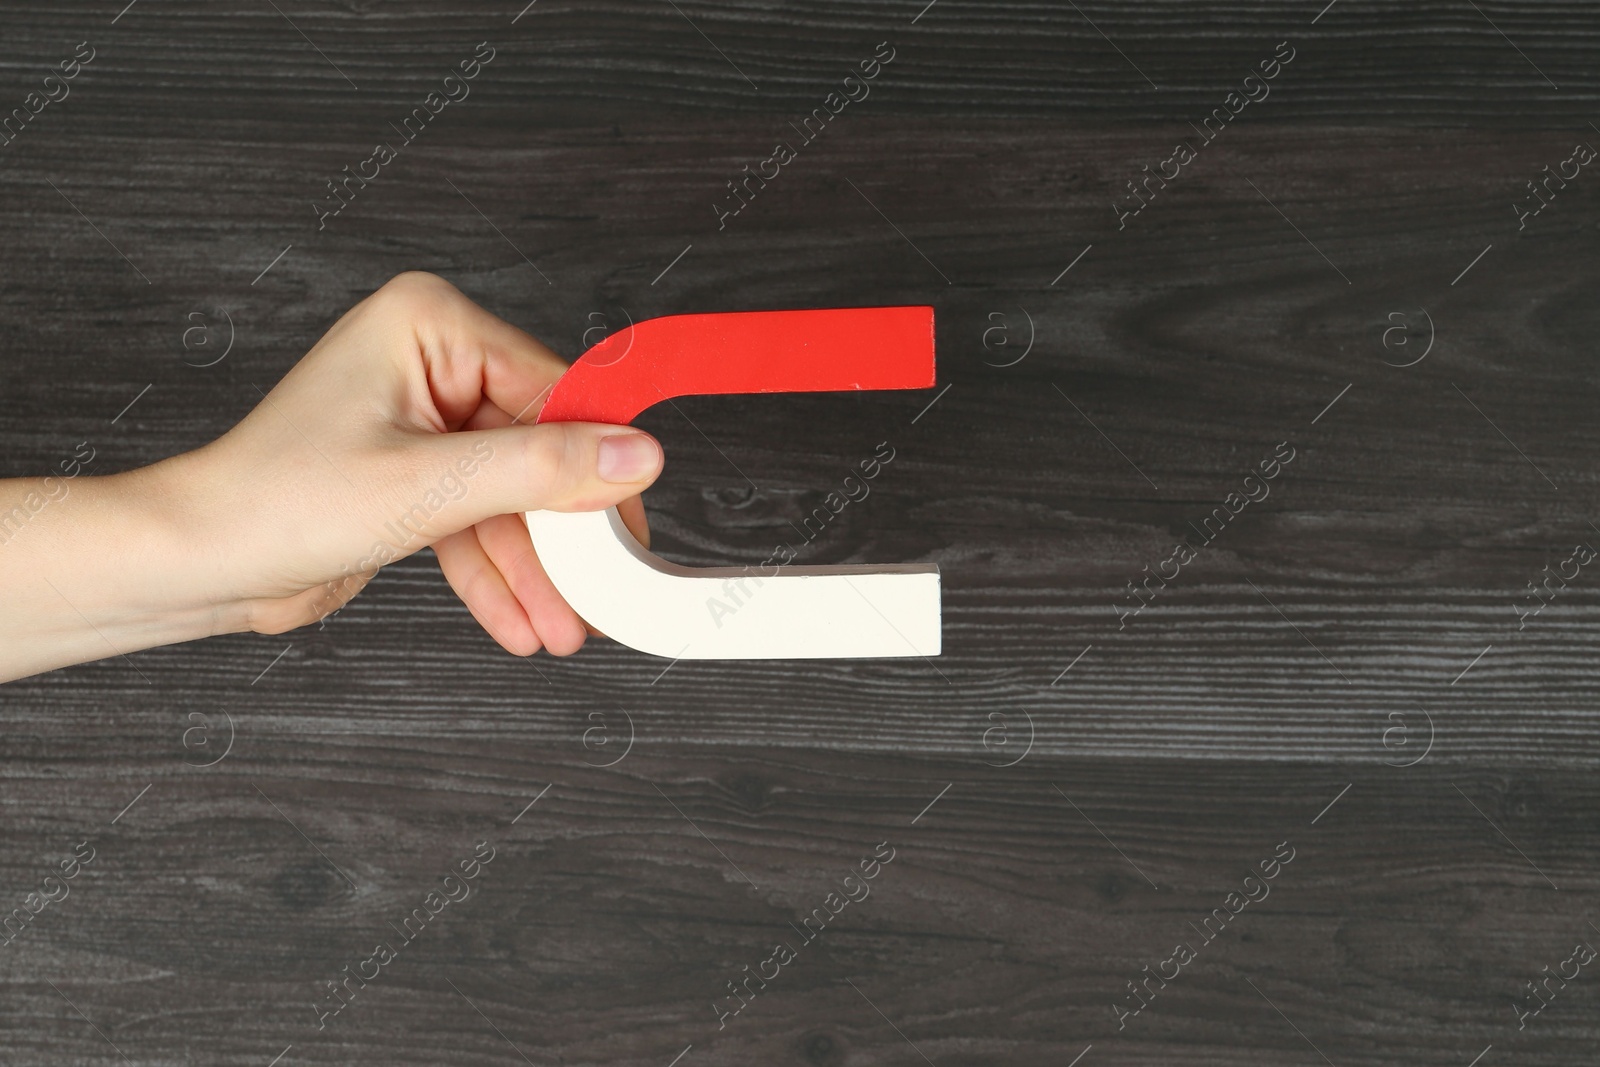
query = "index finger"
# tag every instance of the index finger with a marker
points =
(470, 355)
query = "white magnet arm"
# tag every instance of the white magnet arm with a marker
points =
(639, 599)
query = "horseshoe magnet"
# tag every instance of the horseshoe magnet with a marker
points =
(780, 612)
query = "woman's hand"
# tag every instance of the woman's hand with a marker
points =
(407, 425)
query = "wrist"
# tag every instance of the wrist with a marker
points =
(97, 566)
(184, 588)
(137, 559)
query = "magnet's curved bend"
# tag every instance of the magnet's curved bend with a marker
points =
(643, 601)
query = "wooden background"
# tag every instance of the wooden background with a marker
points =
(1352, 640)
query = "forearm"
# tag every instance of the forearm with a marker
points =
(92, 567)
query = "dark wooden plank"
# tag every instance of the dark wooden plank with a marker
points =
(1361, 61)
(1005, 928)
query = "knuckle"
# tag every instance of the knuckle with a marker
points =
(414, 279)
(414, 287)
(546, 457)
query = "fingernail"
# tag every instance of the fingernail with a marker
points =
(628, 457)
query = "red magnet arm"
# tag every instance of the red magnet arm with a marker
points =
(831, 350)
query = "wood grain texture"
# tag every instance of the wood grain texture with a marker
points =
(1006, 926)
(1360, 618)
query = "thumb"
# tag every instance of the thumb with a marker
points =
(555, 466)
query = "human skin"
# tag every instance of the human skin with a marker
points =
(273, 525)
